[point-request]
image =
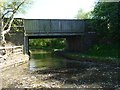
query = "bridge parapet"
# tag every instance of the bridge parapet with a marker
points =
(53, 26)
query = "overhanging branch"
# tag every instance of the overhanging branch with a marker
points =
(6, 13)
(10, 20)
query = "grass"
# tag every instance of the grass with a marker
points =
(104, 51)
(98, 53)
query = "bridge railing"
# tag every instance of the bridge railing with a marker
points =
(6, 51)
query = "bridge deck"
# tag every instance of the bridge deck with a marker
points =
(53, 27)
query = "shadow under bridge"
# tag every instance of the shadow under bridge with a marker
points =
(72, 30)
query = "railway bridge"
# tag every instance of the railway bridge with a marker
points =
(73, 30)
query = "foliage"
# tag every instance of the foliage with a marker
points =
(106, 17)
(17, 25)
(104, 50)
(97, 53)
(91, 58)
(83, 15)
(55, 43)
(8, 9)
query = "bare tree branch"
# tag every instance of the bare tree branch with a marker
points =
(10, 20)
(6, 13)
(19, 5)
(9, 25)
(9, 9)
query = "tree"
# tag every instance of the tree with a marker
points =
(106, 17)
(83, 15)
(8, 9)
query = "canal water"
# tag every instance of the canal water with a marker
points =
(73, 74)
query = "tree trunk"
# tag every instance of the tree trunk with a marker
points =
(0, 27)
(2, 37)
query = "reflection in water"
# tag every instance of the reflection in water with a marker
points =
(74, 73)
(44, 60)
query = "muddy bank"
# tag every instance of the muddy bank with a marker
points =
(21, 77)
(67, 77)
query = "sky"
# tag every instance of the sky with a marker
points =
(57, 9)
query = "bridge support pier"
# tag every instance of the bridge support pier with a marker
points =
(75, 43)
(26, 45)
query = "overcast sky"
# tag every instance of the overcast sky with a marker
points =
(57, 9)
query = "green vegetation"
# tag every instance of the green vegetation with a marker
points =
(106, 21)
(104, 51)
(97, 53)
(106, 17)
(47, 44)
(83, 15)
